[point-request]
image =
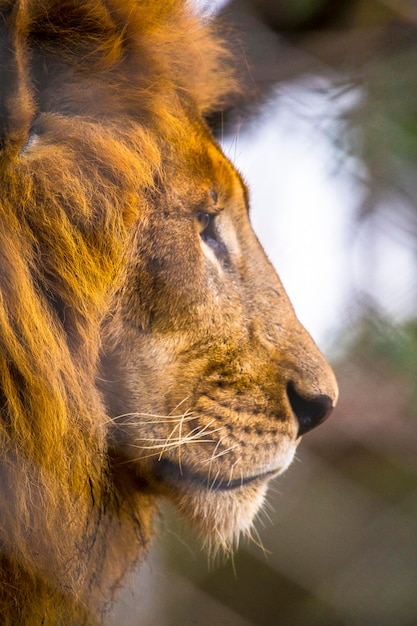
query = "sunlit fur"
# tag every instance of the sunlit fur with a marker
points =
(128, 345)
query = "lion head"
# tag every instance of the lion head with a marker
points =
(147, 347)
(212, 378)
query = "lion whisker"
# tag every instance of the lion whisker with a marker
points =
(222, 453)
(199, 431)
(213, 455)
(170, 445)
(179, 447)
(159, 448)
(195, 433)
(167, 420)
(232, 469)
(158, 418)
(213, 482)
(180, 403)
(170, 438)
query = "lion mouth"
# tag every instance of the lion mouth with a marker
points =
(168, 472)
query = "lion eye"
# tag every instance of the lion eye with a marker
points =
(206, 226)
(203, 221)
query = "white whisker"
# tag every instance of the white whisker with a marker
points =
(222, 453)
(179, 404)
(171, 444)
(156, 419)
(210, 461)
(232, 469)
(160, 445)
(213, 482)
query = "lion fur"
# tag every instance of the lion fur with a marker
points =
(109, 83)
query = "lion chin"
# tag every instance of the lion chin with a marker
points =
(222, 511)
(214, 492)
(222, 517)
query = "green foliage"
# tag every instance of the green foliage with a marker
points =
(376, 344)
(377, 338)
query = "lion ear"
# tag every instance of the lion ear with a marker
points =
(16, 102)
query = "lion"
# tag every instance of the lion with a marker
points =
(147, 347)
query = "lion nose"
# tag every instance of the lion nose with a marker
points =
(310, 412)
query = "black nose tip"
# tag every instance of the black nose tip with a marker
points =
(309, 413)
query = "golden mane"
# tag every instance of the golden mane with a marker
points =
(68, 532)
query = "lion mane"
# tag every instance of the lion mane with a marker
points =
(70, 527)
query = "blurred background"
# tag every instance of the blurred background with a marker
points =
(325, 133)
